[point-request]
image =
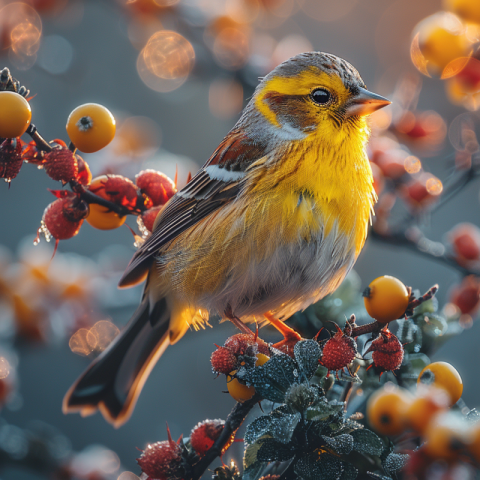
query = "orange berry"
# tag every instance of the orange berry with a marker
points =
(386, 409)
(104, 219)
(15, 115)
(445, 376)
(91, 127)
(386, 299)
(241, 393)
(442, 38)
(428, 402)
(468, 10)
(446, 436)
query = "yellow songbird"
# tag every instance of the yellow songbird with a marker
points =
(271, 223)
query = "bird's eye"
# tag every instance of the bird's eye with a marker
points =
(321, 96)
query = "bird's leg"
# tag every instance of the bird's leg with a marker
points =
(237, 322)
(290, 336)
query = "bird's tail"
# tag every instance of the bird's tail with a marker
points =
(113, 382)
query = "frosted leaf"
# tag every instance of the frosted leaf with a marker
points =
(473, 415)
(307, 353)
(405, 330)
(378, 477)
(273, 379)
(282, 428)
(273, 451)
(342, 444)
(395, 462)
(299, 397)
(319, 467)
(257, 428)
(322, 410)
(365, 441)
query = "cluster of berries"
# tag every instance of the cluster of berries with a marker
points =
(240, 349)
(170, 460)
(103, 201)
(447, 435)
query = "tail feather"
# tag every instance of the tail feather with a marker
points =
(113, 382)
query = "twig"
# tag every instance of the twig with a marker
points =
(232, 423)
(41, 143)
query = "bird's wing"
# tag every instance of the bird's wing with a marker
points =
(217, 183)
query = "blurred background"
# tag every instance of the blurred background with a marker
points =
(176, 74)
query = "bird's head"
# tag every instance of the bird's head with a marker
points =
(314, 94)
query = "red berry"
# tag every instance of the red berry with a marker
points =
(392, 162)
(162, 461)
(10, 158)
(387, 351)
(63, 218)
(84, 175)
(223, 360)
(205, 434)
(61, 164)
(239, 343)
(116, 189)
(465, 240)
(156, 185)
(31, 154)
(148, 218)
(466, 296)
(416, 193)
(338, 351)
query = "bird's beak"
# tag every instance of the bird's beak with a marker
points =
(365, 103)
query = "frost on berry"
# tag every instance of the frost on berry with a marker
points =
(205, 434)
(240, 342)
(223, 361)
(116, 189)
(162, 460)
(63, 218)
(156, 185)
(387, 351)
(339, 351)
(147, 219)
(10, 158)
(61, 164)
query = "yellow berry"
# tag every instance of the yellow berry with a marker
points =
(428, 402)
(261, 359)
(240, 392)
(445, 376)
(468, 10)
(104, 219)
(15, 115)
(442, 38)
(91, 127)
(446, 436)
(386, 410)
(386, 299)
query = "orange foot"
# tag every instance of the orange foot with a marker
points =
(290, 336)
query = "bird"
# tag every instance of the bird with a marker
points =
(273, 222)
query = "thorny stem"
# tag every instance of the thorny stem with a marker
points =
(232, 424)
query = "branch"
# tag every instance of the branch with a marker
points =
(41, 143)
(232, 423)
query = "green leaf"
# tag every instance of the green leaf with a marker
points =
(272, 451)
(320, 374)
(307, 353)
(365, 441)
(260, 426)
